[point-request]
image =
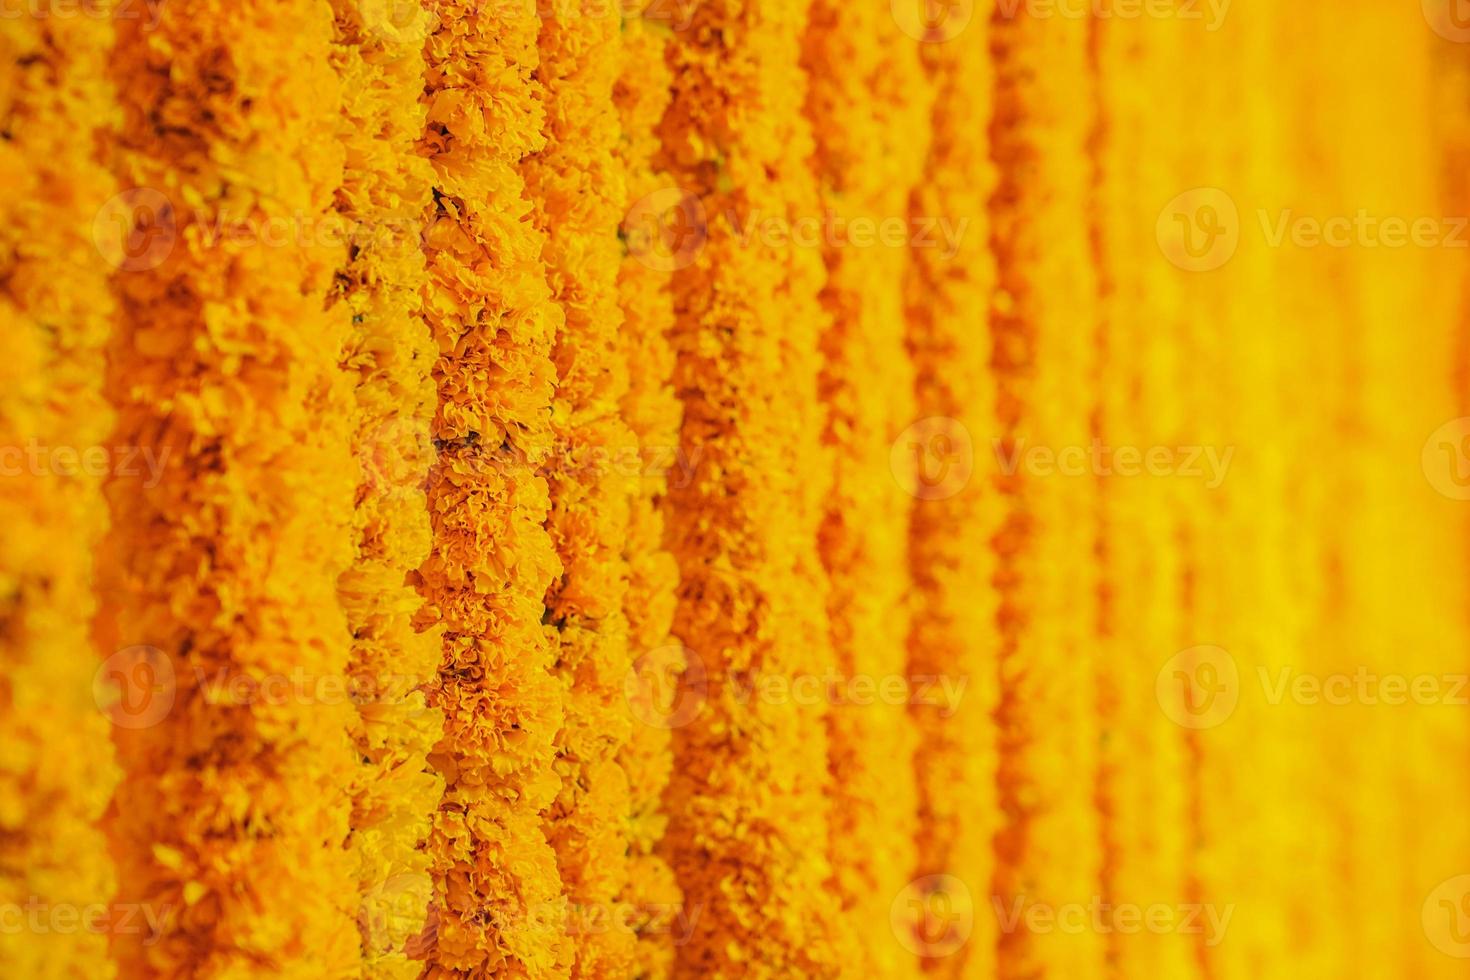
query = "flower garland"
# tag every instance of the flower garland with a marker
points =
(577, 184)
(57, 770)
(232, 815)
(653, 411)
(407, 468)
(1144, 795)
(385, 192)
(951, 526)
(1048, 846)
(868, 96)
(499, 906)
(750, 780)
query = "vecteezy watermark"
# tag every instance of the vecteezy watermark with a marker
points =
(676, 920)
(1363, 686)
(667, 229)
(1200, 230)
(39, 917)
(36, 459)
(227, 687)
(401, 454)
(933, 459)
(1445, 459)
(135, 686)
(832, 230)
(1201, 687)
(1361, 229)
(932, 21)
(138, 228)
(1210, 12)
(838, 690)
(933, 916)
(393, 910)
(1445, 917)
(1209, 463)
(147, 11)
(1198, 687)
(138, 686)
(135, 229)
(1104, 917)
(1450, 19)
(667, 687)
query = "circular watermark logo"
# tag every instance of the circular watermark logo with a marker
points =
(1450, 19)
(394, 910)
(1446, 917)
(933, 916)
(1446, 459)
(665, 229)
(932, 21)
(397, 454)
(934, 458)
(1199, 687)
(1199, 230)
(135, 686)
(135, 230)
(667, 686)
(398, 21)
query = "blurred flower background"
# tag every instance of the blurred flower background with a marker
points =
(674, 488)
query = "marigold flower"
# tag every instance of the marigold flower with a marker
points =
(867, 99)
(953, 520)
(235, 805)
(385, 192)
(56, 768)
(750, 785)
(653, 412)
(497, 888)
(1047, 847)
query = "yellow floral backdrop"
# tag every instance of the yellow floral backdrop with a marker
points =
(974, 489)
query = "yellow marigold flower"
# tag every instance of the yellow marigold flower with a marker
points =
(1146, 795)
(750, 783)
(385, 193)
(234, 808)
(954, 516)
(56, 765)
(499, 906)
(577, 184)
(653, 412)
(868, 104)
(1047, 848)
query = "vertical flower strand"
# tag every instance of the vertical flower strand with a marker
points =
(234, 808)
(499, 908)
(58, 771)
(577, 185)
(751, 782)
(390, 354)
(1044, 324)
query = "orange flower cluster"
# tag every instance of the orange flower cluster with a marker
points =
(592, 491)
(750, 782)
(653, 413)
(577, 183)
(385, 191)
(224, 363)
(868, 96)
(498, 896)
(954, 537)
(56, 767)
(1047, 849)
